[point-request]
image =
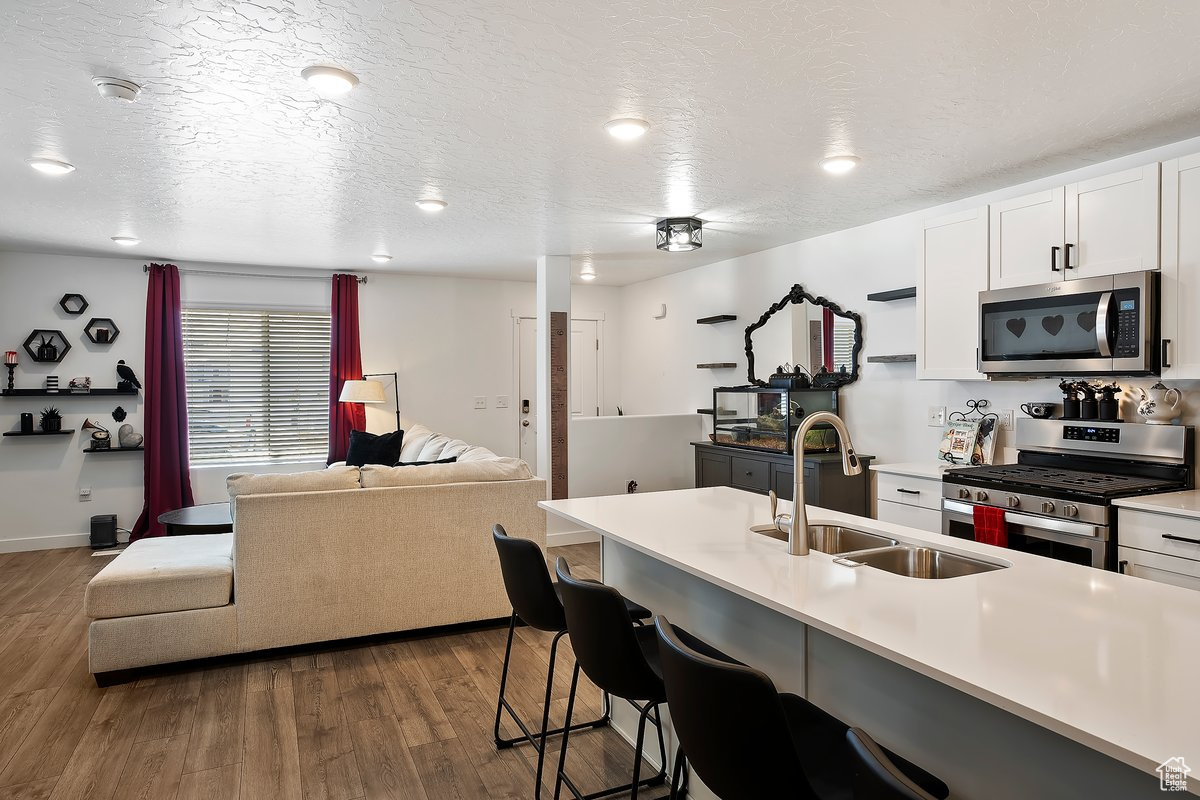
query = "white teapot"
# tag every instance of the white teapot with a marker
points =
(1159, 405)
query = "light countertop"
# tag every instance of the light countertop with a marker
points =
(915, 469)
(1104, 659)
(1176, 504)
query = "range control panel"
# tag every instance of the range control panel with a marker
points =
(1086, 433)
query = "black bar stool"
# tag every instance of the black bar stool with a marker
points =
(536, 602)
(876, 776)
(748, 741)
(619, 658)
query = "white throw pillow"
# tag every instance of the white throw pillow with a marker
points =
(415, 437)
(495, 469)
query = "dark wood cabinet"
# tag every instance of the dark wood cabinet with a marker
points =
(755, 471)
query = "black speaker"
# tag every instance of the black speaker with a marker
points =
(104, 531)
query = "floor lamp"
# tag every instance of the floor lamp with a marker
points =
(366, 391)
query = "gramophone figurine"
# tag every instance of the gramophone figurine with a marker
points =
(101, 438)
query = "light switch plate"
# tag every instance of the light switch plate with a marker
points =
(501, 401)
(480, 402)
(936, 417)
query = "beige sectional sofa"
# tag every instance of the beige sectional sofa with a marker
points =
(319, 556)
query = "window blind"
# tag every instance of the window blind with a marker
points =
(257, 385)
(843, 341)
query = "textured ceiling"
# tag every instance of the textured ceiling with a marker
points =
(497, 106)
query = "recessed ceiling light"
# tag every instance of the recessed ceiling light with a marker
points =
(381, 258)
(329, 81)
(431, 205)
(126, 241)
(627, 128)
(51, 167)
(117, 89)
(840, 165)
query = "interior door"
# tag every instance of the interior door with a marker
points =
(1024, 234)
(1112, 224)
(584, 384)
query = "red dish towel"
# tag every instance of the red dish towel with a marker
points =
(990, 527)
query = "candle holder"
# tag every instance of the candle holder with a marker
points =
(11, 369)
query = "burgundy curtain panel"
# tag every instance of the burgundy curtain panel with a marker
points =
(167, 478)
(345, 364)
(827, 338)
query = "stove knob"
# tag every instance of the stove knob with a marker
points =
(981, 496)
(1013, 501)
(1070, 511)
(964, 494)
(1047, 508)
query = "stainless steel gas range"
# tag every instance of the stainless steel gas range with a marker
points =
(1058, 496)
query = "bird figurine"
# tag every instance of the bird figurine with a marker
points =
(127, 375)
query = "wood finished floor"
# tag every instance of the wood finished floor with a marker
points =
(406, 719)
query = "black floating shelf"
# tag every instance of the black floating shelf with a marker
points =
(718, 365)
(716, 319)
(903, 358)
(66, 432)
(894, 294)
(114, 450)
(67, 393)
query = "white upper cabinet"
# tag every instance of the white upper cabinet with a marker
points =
(1027, 239)
(1112, 224)
(1102, 226)
(953, 270)
(1181, 266)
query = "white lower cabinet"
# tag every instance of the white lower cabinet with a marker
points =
(909, 500)
(1159, 547)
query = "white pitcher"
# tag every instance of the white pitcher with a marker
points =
(1159, 405)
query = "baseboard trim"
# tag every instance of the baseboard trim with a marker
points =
(571, 537)
(45, 542)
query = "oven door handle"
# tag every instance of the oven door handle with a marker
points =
(1103, 315)
(1025, 520)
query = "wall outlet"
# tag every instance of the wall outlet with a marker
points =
(480, 402)
(85, 494)
(1006, 419)
(501, 401)
(936, 417)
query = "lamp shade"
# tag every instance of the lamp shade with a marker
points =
(362, 392)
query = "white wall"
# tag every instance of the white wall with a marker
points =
(886, 408)
(453, 339)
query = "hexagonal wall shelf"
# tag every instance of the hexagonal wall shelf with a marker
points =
(101, 330)
(46, 345)
(73, 304)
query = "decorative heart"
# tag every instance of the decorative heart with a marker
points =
(1016, 326)
(1052, 325)
(1087, 320)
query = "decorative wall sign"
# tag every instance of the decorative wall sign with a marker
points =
(46, 345)
(73, 304)
(102, 330)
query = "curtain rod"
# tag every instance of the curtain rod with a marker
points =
(359, 278)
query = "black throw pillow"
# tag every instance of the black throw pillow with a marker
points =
(449, 460)
(369, 448)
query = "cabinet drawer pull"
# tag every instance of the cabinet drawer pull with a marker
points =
(1067, 256)
(908, 491)
(1054, 257)
(1121, 567)
(1166, 354)
(749, 472)
(1175, 538)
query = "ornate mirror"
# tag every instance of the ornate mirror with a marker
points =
(812, 334)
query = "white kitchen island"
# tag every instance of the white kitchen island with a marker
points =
(1041, 680)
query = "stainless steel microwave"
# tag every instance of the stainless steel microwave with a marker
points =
(1092, 326)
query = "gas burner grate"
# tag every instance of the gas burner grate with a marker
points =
(1063, 479)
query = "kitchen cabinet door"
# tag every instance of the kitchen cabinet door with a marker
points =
(952, 271)
(1112, 224)
(1157, 567)
(1026, 239)
(1181, 266)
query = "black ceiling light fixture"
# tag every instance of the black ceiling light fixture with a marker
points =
(679, 234)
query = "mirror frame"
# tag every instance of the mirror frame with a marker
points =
(795, 296)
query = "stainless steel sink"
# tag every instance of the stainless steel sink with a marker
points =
(919, 562)
(832, 539)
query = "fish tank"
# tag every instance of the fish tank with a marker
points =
(766, 418)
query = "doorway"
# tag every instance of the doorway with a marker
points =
(584, 391)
